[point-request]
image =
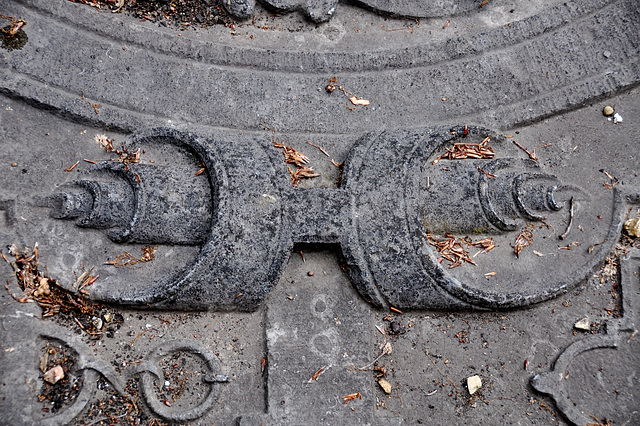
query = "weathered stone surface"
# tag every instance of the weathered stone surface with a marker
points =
(322, 10)
(206, 96)
(209, 68)
(554, 382)
(382, 232)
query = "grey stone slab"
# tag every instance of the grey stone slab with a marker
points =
(532, 63)
(231, 239)
(248, 220)
(319, 323)
(577, 357)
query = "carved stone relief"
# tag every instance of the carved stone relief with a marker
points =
(323, 10)
(396, 192)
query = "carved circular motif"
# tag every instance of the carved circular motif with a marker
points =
(400, 215)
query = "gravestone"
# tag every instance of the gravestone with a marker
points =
(458, 208)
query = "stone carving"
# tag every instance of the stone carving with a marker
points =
(314, 10)
(92, 368)
(554, 382)
(148, 369)
(248, 218)
(139, 203)
(483, 204)
(323, 10)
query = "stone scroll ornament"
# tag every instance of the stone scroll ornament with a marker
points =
(323, 10)
(396, 197)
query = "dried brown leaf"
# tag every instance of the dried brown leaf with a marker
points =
(524, 239)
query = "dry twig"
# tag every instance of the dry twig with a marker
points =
(351, 397)
(129, 260)
(14, 26)
(564, 235)
(531, 155)
(318, 373)
(72, 167)
(320, 148)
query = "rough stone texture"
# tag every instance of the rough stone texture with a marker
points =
(554, 382)
(540, 72)
(321, 11)
(314, 327)
(381, 232)
(405, 80)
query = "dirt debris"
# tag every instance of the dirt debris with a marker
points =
(125, 156)
(180, 14)
(300, 162)
(44, 290)
(455, 249)
(524, 239)
(72, 309)
(14, 27)
(13, 35)
(355, 100)
(60, 383)
(462, 151)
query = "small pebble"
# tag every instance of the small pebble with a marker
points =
(395, 327)
(385, 385)
(632, 227)
(617, 118)
(311, 273)
(583, 325)
(607, 111)
(54, 375)
(474, 383)
(97, 323)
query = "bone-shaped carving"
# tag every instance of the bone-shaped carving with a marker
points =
(247, 219)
